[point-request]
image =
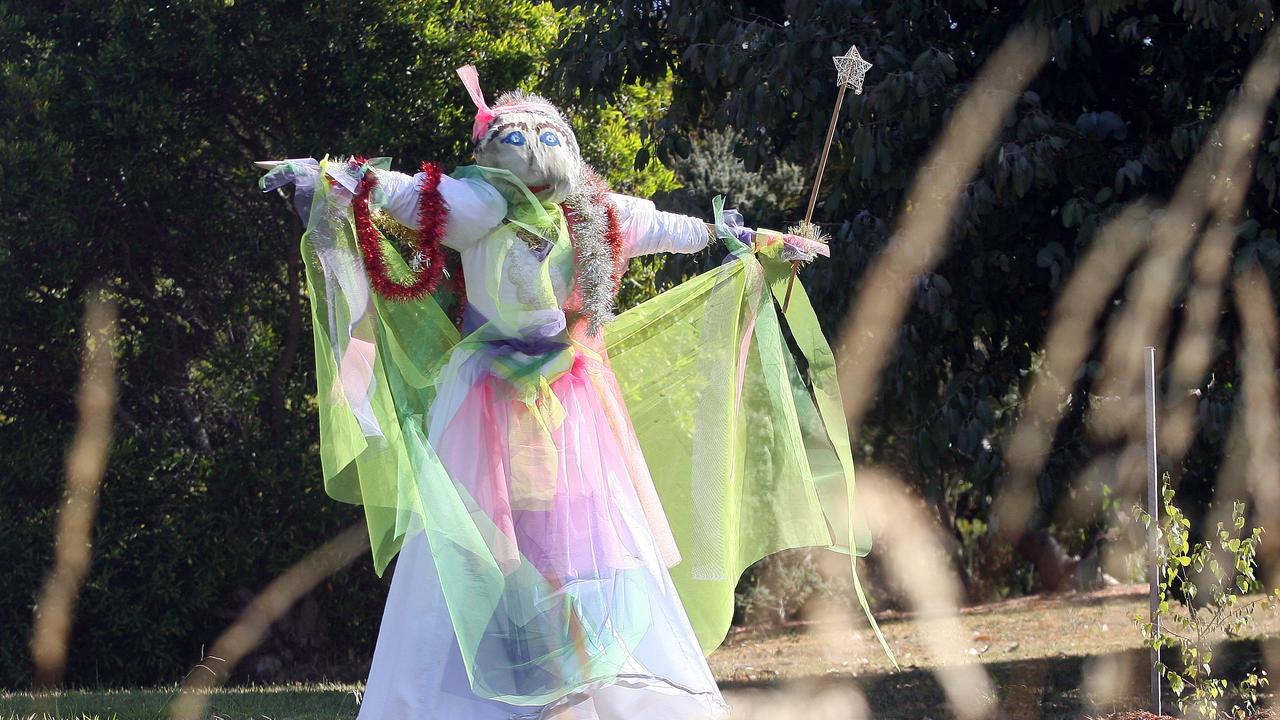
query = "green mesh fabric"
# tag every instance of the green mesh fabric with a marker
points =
(397, 349)
(749, 456)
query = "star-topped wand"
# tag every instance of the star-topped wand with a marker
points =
(851, 71)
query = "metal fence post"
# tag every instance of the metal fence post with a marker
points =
(1153, 507)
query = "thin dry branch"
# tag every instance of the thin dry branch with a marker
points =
(85, 465)
(270, 605)
(1256, 305)
(1261, 418)
(1215, 182)
(1214, 186)
(870, 331)
(913, 555)
(1068, 343)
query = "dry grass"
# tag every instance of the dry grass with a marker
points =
(312, 701)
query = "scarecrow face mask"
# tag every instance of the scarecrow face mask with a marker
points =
(527, 136)
(535, 145)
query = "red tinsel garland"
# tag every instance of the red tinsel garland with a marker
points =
(432, 215)
(460, 294)
(613, 236)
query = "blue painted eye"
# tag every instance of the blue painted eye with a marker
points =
(515, 137)
(549, 138)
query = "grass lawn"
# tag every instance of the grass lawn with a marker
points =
(314, 701)
(1067, 657)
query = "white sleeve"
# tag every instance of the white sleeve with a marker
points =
(646, 229)
(475, 206)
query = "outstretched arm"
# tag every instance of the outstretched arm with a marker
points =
(475, 207)
(646, 229)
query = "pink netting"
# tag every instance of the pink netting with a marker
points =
(567, 491)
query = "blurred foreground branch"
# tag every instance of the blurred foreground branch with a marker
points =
(85, 464)
(269, 606)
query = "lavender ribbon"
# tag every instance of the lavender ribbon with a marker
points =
(733, 220)
(546, 339)
(302, 174)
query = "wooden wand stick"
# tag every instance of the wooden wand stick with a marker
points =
(851, 71)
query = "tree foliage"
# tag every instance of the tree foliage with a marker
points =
(711, 168)
(127, 130)
(1128, 96)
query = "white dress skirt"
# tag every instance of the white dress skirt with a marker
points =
(575, 511)
(418, 671)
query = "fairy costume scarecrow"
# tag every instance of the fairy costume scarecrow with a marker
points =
(573, 496)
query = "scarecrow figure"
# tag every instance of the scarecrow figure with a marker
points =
(572, 495)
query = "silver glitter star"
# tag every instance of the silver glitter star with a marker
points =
(851, 69)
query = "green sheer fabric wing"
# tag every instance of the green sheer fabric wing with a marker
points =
(375, 365)
(747, 456)
(826, 436)
(827, 439)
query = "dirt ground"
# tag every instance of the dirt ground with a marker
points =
(1066, 656)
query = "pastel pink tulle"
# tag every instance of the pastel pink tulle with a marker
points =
(577, 504)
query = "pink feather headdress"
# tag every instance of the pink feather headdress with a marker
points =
(484, 113)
